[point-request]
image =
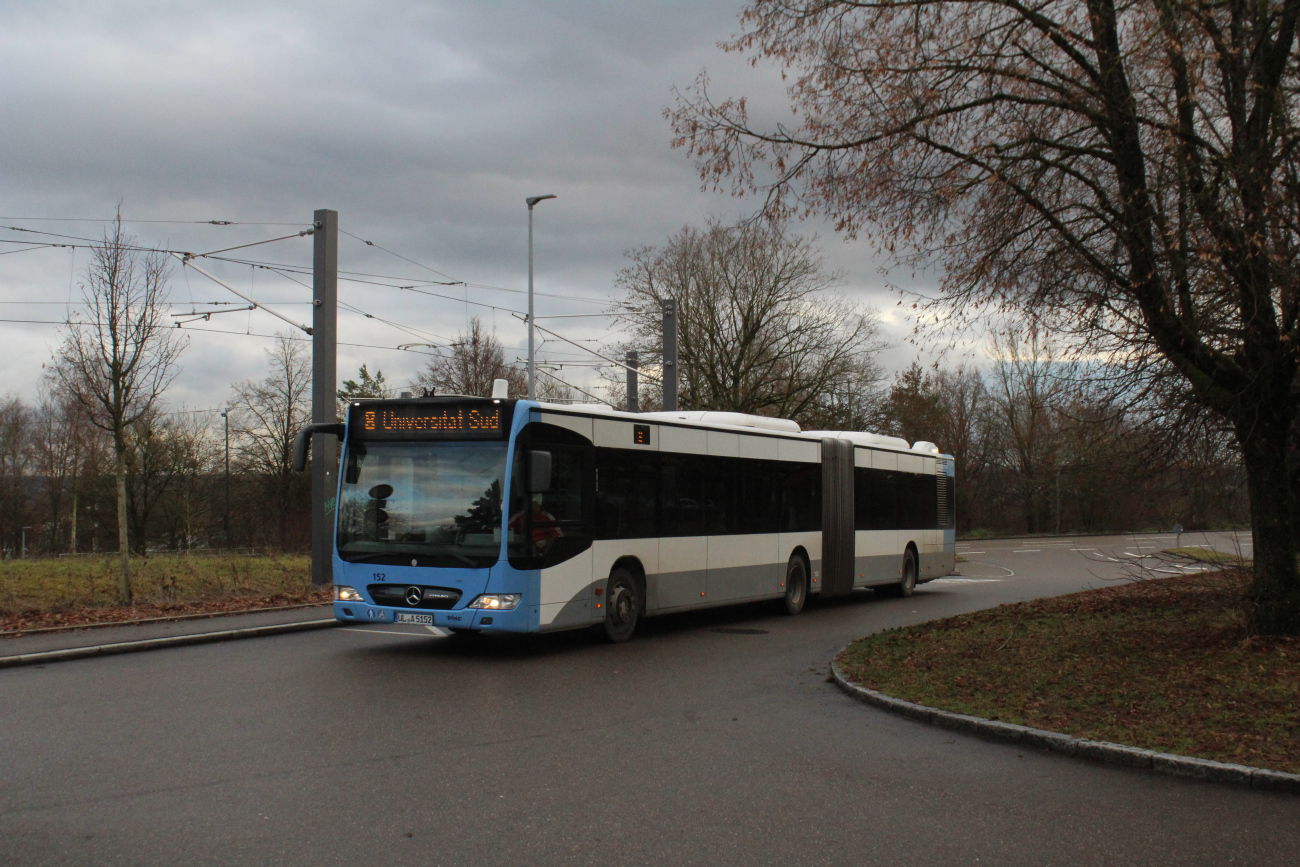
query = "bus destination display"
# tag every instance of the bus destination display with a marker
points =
(415, 421)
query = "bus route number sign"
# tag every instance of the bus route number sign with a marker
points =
(420, 422)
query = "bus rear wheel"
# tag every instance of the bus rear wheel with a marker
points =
(907, 586)
(796, 585)
(622, 605)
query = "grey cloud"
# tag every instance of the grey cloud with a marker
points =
(424, 124)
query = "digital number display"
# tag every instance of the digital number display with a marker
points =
(641, 434)
(477, 421)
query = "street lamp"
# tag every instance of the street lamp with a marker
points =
(532, 361)
(225, 521)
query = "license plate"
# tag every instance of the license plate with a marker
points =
(402, 617)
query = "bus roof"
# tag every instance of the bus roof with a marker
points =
(745, 423)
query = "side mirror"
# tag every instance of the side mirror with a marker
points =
(539, 478)
(303, 439)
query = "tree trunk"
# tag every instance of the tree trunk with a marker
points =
(72, 531)
(1276, 587)
(124, 549)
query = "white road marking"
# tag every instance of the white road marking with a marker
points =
(1028, 551)
(953, 580)
(385, 632)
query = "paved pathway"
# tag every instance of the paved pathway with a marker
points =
(711, 738)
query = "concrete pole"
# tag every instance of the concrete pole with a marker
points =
(324, 374)
(670, 354)
(632, 402)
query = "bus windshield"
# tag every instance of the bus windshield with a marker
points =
(437, 503)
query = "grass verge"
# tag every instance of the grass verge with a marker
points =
(1208, 555)
(83, 590)
(1160, 664)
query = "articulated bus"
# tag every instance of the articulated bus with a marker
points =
(484, 514)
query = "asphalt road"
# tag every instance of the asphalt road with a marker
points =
(711, 738)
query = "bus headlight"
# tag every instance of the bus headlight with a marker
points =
(496, 601)
(346, 594)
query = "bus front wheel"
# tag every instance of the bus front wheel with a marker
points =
(796, 585)
(622, 605)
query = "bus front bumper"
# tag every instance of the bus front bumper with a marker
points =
(515, 620)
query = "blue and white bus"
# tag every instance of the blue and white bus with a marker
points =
(486, 514)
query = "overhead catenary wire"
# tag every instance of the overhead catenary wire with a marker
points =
(60, 240)
(301, 234)
(220, 282)
(125, 220)
(75, 324)
(572, 386)
(301, 339)
(640, 371)
(403, 258)
(414, 332)
(398, 282)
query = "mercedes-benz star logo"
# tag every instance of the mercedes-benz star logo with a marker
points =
(413, 596)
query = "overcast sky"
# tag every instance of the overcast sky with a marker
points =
(425, 125)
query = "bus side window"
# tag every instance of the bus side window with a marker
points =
(682, 495)
(885, 508)
(613, 493)
(720, 497)
(801, 497)
(863, 497)
(644, 511)
(627, 494)
(564, 499)
(757, 503)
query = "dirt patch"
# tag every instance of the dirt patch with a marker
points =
(1160, 664)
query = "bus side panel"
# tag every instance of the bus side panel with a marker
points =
(683, 572)
(879, 557)
(744, 567)
(566, 593)
(936, 564)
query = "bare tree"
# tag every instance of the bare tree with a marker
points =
(58, 452)
(470, 366)
(155, 460)
(1026, 394)
(118, 360)
(758, 330)
(186, 508)
(1128, 172)
(265, 418)
(553, 388)
(15, 463)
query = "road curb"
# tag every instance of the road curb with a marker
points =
(157, 643)
(1118, 755)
